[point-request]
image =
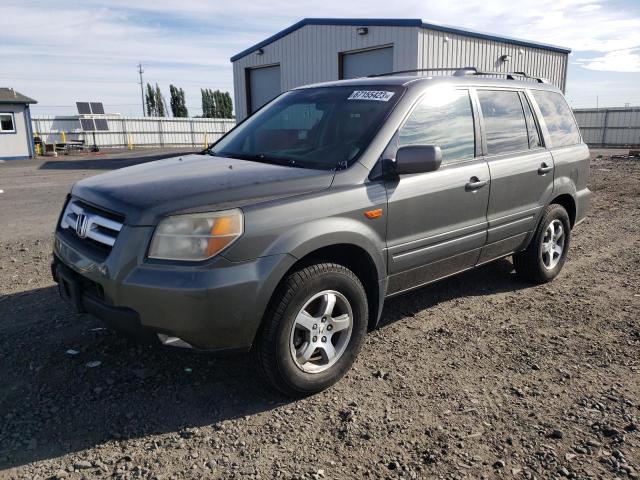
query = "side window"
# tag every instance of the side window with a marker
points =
(534, 136)
(6, 123)
(557, 115)
(504, 124)
(445, 119)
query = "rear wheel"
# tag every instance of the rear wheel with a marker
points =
(543, 259)
(314, 329)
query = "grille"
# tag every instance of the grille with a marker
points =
(95, 228)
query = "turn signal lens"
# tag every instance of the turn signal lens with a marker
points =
(196, 236)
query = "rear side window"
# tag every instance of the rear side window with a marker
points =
(443, 118)
(504, 125)
(558, 117)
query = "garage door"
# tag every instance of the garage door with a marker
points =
(264, 85)
(368, 62)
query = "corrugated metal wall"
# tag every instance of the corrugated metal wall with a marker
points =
(311, 54)
(140, 131)
(442, 49)
(610, 127)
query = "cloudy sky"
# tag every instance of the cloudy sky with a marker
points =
(67, 50)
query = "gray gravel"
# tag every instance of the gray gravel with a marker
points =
(477, 376)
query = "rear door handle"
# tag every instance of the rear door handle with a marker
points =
(474, 184)
(544, 168)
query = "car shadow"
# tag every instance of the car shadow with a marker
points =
(489, 279)
(108, 163)
(52, 402)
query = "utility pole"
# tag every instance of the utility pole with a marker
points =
(140, 71)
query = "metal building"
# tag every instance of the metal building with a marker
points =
(16, 137)
(610, 127)
(321, 49)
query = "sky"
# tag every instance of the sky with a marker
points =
(88, 50)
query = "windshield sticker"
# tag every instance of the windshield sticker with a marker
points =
(375, 95)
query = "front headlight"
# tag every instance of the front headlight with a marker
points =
(196, 236)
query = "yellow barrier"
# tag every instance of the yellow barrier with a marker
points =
(206, 143)
(129, 142)
(63, 137)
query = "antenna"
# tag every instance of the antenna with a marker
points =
(141, 71)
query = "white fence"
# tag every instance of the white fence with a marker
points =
(135, 131)
(610, 127)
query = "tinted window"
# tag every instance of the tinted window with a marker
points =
(321, 128)
(557, 115)
(443, 118)
(504, 125)
(534, 137)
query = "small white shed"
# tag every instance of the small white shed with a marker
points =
(16, 135)
(324, 49)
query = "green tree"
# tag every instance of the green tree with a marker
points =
(178, 103)
(161, 106)
(150, 100)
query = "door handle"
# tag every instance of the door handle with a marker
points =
(474, 184)
(544, 168)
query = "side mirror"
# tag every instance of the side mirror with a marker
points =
(418, 159)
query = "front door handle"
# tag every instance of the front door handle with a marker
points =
(544, 168)
(474, 184)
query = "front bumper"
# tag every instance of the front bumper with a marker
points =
(217, 305)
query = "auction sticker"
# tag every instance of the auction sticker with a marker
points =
(375, 95)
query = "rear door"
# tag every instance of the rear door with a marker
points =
(521, 170)
(437, 220)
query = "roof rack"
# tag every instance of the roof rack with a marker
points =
(464, 71)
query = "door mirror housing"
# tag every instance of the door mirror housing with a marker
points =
(418, 159)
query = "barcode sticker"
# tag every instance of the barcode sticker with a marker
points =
(375, 95)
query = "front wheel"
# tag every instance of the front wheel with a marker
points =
(313, 330)
(543, 259)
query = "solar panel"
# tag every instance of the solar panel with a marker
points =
(87, 124)
(101, 124)
(83, 108)
(97, 108)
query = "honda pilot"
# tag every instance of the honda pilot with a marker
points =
(286, 236)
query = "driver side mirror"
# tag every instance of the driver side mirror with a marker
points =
(418, 159)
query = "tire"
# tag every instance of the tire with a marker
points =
(294, 348)
(541, 262)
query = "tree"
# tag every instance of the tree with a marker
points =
(161, 106)
(216, 104)
(178, 103)
(150, 100)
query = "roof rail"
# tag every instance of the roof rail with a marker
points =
(464, 71)
(386, 74)
(510, 75)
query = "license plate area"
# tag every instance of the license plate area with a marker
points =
(69, 289)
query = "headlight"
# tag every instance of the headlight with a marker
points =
(195, 236)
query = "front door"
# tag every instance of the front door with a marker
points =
(437, 221)
(521, 170)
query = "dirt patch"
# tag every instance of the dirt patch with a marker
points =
(479, 375)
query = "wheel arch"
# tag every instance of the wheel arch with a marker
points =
(568, 203)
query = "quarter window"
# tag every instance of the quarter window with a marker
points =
(443, 118)
(534, 136)
(504, 124)
(7, 124)
(558, 117)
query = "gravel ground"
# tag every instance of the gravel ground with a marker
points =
(477, 376)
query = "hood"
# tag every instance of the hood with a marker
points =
(145, 192)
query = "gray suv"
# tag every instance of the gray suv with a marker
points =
(286, 236)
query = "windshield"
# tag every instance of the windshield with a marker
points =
(321, 128)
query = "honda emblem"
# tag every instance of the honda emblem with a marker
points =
(82, 225)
